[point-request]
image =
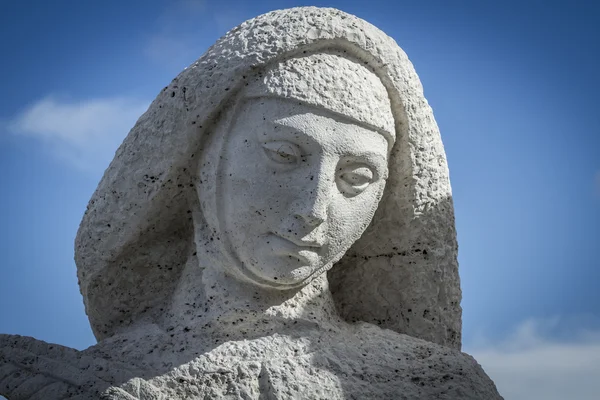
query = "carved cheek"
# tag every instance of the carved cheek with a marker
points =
(351, 216)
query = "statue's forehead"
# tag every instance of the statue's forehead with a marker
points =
(281, 112)
(330, 82)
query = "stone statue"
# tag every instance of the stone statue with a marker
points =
(277, 225)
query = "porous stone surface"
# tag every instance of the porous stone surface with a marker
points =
(402, 274)
(297, 363)
(277, 225)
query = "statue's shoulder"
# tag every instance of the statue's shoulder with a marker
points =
(390, 362)
(34, 369)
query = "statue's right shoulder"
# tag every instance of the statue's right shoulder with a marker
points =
(33, 369)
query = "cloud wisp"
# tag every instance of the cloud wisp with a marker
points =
(85, 134)
(530, 365)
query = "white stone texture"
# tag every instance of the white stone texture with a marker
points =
(402, 274)
(299, 143)
(300, 362)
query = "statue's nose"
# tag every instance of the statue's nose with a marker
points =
(313, 203)
(311, 213)
(313, 219)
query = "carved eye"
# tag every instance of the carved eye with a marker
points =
(353, 180)
(282, 152)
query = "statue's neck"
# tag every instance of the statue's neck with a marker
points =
(210, 297)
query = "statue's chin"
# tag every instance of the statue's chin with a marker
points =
(278, 279)
(294, 278)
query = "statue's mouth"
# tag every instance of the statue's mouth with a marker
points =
(299, 242)
(306, 252)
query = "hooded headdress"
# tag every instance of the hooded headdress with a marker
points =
(137, 233)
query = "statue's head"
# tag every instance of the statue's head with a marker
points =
(299, 143)
(301, 168)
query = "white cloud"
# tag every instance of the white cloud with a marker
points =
(86, 133)
(529, 365)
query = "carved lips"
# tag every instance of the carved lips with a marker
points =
(304, 251)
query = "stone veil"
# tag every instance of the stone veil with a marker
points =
(402, 274)
(381, 319)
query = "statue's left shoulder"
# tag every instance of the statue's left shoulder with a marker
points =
(387, 362)
(33, 369)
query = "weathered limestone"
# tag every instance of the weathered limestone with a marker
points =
(278, 224)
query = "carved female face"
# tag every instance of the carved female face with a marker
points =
(298, 186)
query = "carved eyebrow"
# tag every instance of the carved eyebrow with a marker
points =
(370, 156)
(359, 156)
(280, 122)
(289, 130)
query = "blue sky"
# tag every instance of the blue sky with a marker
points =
(514, 88)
